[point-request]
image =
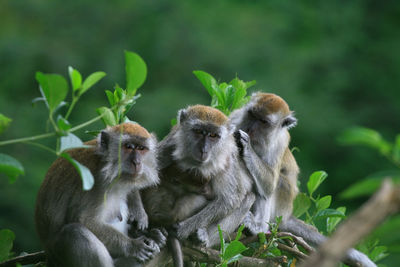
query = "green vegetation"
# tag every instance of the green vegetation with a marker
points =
(335, 64)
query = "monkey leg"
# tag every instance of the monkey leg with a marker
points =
(77, 246)
(257, 220)
(210, 236)
(311, 235)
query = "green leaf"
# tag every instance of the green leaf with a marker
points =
(174, 121)
(239, 232)
(234, 248)
(63, 124)
(110, 97)
(323, 203)
(370, 184)
(136, 72)
(6, 243)
(221, 239)
(54, 89)
(207, 80)
(315, 181)
(362, 188)
(108, 116)
(378, 253)
(71, 141)
(262, 238)
(327, 213)
(10, 167)
(75, 77)
(4, 122)
(301, 204)
(331, 222)
(235, 258)
(92, 133)
(91, 80)
(365, 136)
(84, 172)
(396, 149)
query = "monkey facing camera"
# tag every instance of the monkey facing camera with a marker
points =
(90, 228)
(203, 181)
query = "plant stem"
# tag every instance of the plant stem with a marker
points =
(26, 139)
(42, 147)
(85, 123)
(41, 136)
(74, 100)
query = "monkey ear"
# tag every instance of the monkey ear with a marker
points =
(182, 116)
(104, 140)
(289, 122)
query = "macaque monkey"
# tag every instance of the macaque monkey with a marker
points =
(263, 139)
(90, 228)
(203, 182)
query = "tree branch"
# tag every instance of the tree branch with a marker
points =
(382, 204)
(32, 258)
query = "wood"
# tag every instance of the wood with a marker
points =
(382, 204)
(32, 258)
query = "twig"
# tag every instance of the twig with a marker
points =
(209, 255)
(32, 258)
(383, 203)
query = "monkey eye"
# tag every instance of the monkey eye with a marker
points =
(198, 131)
(265, 121)
(139, 147)
(213, 135)
(129, 146)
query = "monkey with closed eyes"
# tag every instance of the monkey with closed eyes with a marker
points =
(263, 138)
(90, 228)
(203, 182)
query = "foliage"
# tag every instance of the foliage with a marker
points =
(232, 251)
(121, 101)
(6, 242)
(225, 96)
(373, 139)
(315, 210)
(54, 89)
(391, 151)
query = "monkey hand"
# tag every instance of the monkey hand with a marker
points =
(252, 225)
(182, 230)
(142, 220)
(159, 235)
(242, 141)
(142, 248)
(202, 237)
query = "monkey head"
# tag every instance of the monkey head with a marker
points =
(266, 119)
(128, 152)
(204, 131)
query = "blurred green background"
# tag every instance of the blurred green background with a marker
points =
(336, 63)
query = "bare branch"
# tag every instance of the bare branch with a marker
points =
(382, 204)
(32, 258)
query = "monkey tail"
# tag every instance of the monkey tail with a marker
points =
(311, 235)
(176, 250)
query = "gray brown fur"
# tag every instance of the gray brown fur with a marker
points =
(89, 228)
(262, 135)
(224, 188)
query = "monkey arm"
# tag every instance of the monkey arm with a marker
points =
(136, 210)
(265, 174)
(214, 211)
(116, 242)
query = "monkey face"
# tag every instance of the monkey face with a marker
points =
(133, 154)
(128, 156)
(204, 141)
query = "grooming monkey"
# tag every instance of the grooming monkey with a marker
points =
(263, 140)
(90, 228)
(203, 182)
